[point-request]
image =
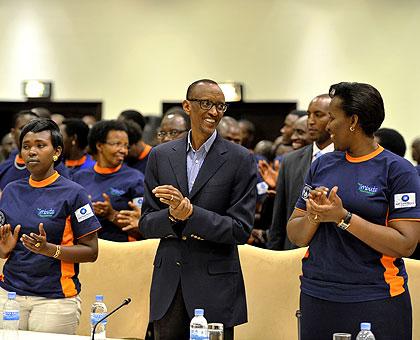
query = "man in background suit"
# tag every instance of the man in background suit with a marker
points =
(293, 171)
(199, 200)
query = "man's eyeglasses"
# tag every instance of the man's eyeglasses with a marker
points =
(119, 145)
(172, 133)
(206, 105)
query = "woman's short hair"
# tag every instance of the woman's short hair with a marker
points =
(391, 140)
(44, 124)
(99, 131)
(79, 128)
(362, 100)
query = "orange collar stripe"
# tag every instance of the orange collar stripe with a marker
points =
(44, 182)
(100, 170)
(365, 158)
(145, 151)
(19, 160)
(76, 162)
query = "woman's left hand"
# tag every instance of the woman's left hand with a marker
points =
(323, 208)
(36, 243)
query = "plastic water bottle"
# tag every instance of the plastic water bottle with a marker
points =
(365, 332)
(198, 326)
(11, 317)
(97, 312)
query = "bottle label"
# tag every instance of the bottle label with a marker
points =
(10, 315)
(95, 317)
(198, 334)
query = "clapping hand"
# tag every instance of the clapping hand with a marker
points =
(180, 207)
(7, 239)
(325, 208)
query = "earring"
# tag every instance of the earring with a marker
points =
(55, 158)
(351, 128)
(73, 142)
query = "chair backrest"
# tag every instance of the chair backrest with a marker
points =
(272, 292)
(122, 270)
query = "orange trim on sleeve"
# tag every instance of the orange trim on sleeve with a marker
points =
(131, 239)
(89, 233)
(100, 170)
(396, 283)
(146, 150)
(45, 182)
(405, 219)
(76, 162)
(67, 268)
(366, 157)
(301, 210)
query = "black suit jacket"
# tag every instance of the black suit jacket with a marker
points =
(293, 170)
(201, 252)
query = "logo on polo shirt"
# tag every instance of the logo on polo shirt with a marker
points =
(407, 200)
(138, 201)
(45, 212)
(367, 189)
(306, 191)
(116, 192)
(84, 213)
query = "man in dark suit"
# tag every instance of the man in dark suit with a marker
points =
(293, 171)
(199, 200)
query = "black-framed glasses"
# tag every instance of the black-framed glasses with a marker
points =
(119, 145)
(173, 133)
(206, 105)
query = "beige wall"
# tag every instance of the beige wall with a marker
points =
(136, 53)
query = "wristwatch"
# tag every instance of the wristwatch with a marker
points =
(345, 223)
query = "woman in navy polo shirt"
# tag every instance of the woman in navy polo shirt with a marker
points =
(112, 184)
(47, 228)
(359, 213)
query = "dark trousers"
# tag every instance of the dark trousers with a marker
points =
(391, 318)
(175, 324)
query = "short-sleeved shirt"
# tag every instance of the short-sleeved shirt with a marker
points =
(65, 210)
(14, 168)
(121, 184)
(141, 162)
(80, 164)
(380, 187)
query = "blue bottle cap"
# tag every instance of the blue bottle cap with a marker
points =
(198, 311)
(365, 326)
(99, 298)
(11, 295)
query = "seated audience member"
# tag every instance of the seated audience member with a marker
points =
(41, 112)
(175, 124)
(50, 229)
(391, 140)
(248, 133)
(264, 148)
(89, 120)
(14, 167)
(288, 125)
(135, 134)
(144, 148)
(359, 213)
(415, 150)
(111, 183)
(57, 118)
(293, 170)
(299, 138)
(75, 133)
(8, 145)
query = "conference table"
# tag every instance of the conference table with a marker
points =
(26, 335)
